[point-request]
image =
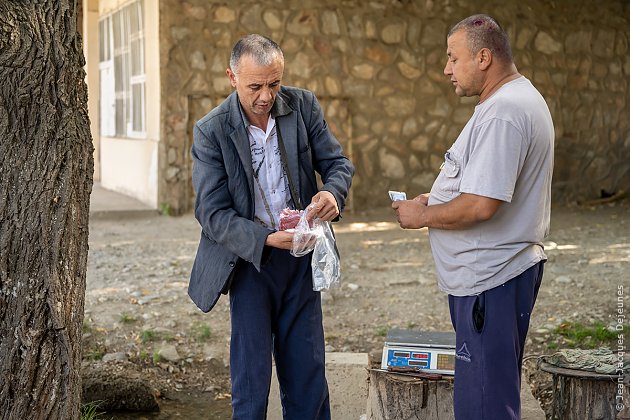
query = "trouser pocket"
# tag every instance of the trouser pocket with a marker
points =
(479, 312)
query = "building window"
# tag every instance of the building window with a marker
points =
(122, 90)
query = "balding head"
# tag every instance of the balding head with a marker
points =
(483, 31)
(262, 49)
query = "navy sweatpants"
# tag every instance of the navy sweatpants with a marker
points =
(276, 311)
(490, 332)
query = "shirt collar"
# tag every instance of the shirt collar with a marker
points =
(247, 123)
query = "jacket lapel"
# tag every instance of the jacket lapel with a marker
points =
(286, 119)
(241, 141)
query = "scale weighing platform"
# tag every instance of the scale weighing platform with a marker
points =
(430, 352)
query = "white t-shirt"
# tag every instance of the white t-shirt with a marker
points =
(505, 152)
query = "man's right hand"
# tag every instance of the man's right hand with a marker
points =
(410, 213)
(280, 239)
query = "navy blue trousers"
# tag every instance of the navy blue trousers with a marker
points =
(276, 312)
(490, 332)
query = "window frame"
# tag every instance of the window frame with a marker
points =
(116, 64)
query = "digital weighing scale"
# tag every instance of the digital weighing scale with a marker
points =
(430, 352)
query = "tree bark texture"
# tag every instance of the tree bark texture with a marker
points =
(587, 395)
(398, 397)
(46, 169)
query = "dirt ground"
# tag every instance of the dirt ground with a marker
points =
(137, 308)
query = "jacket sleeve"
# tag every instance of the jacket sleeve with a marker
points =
(329, 161)
(222, 200)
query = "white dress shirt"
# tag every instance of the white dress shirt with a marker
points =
(271, 188)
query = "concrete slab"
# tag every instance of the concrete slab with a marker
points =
(530, 407)
(347, 385)
(104, 203)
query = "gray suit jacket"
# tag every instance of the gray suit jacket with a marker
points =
(224, 183)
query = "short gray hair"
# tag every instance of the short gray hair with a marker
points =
(262, 49)
(483, 31)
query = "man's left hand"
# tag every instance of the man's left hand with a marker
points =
(324, 206)
(410, 212)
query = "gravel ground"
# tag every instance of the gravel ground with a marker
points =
(138, 312)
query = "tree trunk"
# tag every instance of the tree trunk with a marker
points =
(46, 167)
(399, 397)
(587, 395)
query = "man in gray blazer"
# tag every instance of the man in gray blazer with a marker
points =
(254, 155)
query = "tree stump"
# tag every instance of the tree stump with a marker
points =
(118, 390)
(393, 396)
(579, 394)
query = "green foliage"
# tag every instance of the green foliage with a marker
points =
(94, 354)
(202, 332)
(156, 357)
(381, 331)
(165, 209)
(125, 318)
(90, 411)
(86, 327)
(148, 335)
(583, 336)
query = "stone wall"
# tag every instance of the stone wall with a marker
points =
(376, 66)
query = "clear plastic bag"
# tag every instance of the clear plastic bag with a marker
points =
(305, 234)
(325, 262)
(317, 237)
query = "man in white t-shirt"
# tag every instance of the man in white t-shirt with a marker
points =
(487, 213)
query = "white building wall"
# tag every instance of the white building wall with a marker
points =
(128, 165)
(90, 51)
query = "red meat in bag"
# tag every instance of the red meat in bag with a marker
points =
(289, 218)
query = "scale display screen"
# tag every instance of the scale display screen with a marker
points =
(430, 352)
